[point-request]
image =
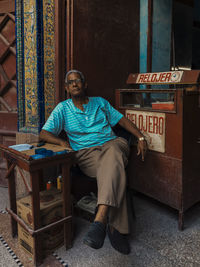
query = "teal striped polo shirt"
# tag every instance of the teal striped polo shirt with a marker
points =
(88, 128)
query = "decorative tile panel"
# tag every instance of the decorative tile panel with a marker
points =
(49, 55)
(30, 64)
(35, 62)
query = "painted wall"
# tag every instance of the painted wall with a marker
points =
(143, 34)
(161, 37)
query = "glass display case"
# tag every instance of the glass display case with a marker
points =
(153, 99)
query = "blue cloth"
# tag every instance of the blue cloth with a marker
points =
(88, 128)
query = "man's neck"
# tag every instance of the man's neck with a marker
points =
(79, 101)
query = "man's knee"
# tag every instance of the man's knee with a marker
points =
(116, 153)
(118, 145)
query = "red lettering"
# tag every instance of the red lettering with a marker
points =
(140, 122)
(161, 125)
(153, 78)
(146, 77)
(158, 78)
(155, 125)
(168, 76)
(141, 78)
(150, 124)
(144, 129)
(149, 78)
(163, 77)
(134, 118)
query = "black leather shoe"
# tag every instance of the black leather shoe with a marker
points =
(96, 235)
(119, 241)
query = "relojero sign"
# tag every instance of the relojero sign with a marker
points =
(160, 77)
(152, 125)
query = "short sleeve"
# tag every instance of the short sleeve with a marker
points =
(55, 122)
(113, 115)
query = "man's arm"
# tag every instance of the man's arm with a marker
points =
(53, 139)
(132, 128)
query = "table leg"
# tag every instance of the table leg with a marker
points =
(41, 180)
(12, 197)
(35, 182)
(67, 208)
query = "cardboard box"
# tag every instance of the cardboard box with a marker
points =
(50, 207)
(50, 211)
(51, 240)
(25, 240)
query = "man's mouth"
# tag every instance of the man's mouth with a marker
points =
(76, 89)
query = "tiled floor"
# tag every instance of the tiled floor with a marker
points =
(155, 240)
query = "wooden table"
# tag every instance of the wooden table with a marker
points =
(35, 168)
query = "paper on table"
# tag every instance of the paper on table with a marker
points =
(21, 147)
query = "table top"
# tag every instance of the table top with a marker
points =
(54, 148)
(24, 159)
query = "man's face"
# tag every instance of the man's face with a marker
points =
(75, 85)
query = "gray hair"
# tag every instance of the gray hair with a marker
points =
(75, 71)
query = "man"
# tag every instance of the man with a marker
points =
(88, 122)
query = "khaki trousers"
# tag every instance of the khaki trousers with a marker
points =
(107, 164)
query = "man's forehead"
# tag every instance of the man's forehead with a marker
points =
(73, 75)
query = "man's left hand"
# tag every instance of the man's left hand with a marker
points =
(142, 148)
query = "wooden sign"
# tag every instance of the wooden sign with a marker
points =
(167, 77)
(152, 125)
(160, 77)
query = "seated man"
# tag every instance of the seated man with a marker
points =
(99, 153)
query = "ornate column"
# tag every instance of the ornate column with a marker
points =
(35, 35)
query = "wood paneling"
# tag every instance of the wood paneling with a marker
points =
(103, 43)
(7, 6)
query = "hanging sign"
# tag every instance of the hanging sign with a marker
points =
(152, 125)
